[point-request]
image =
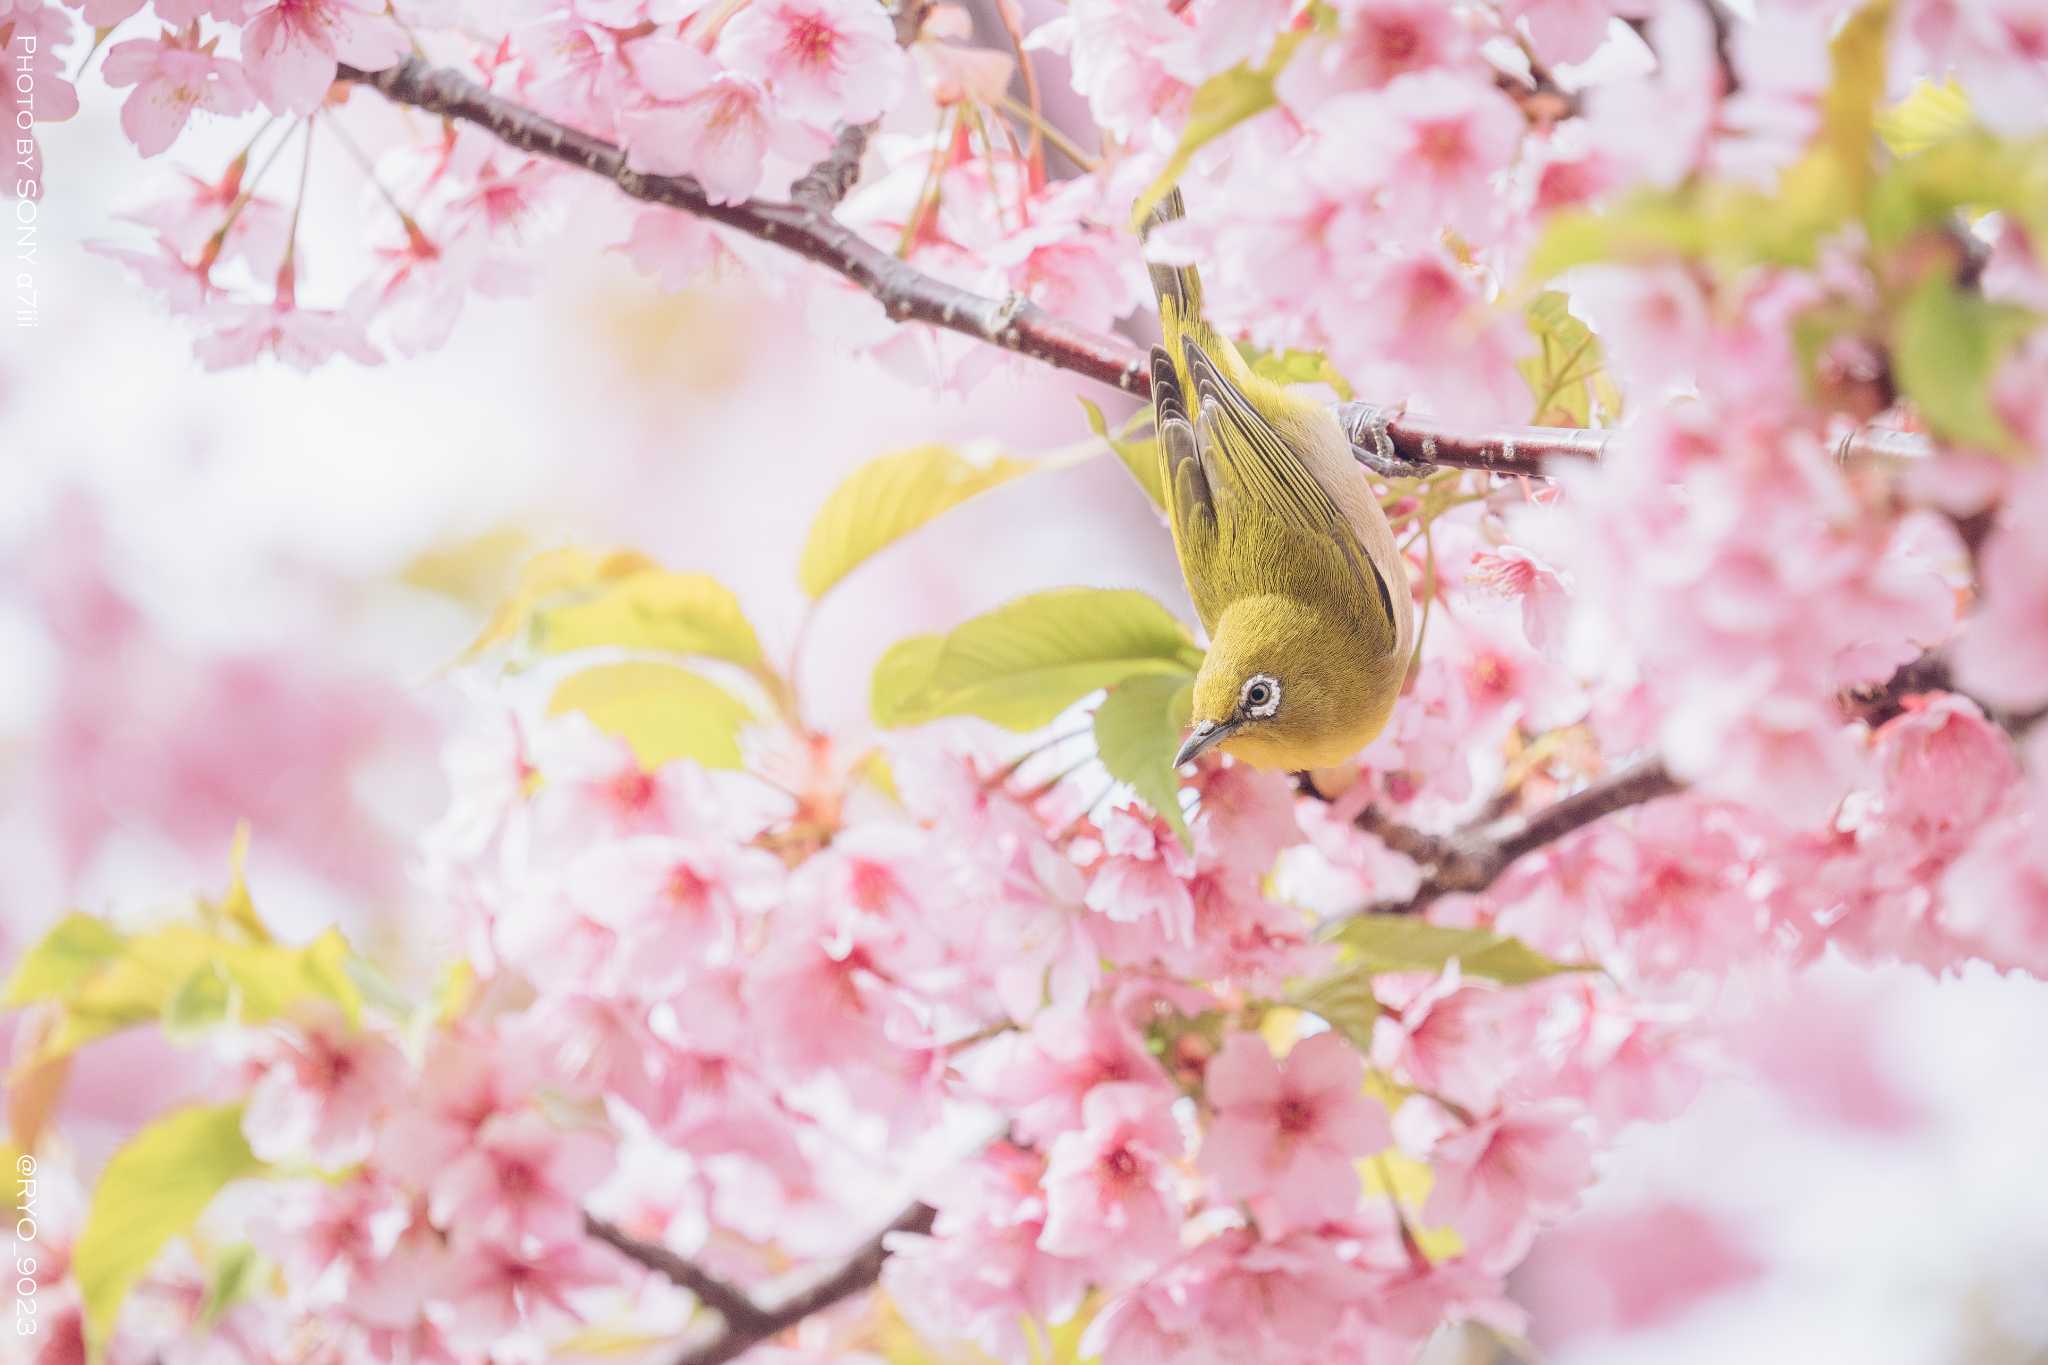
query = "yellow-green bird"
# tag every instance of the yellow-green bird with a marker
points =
(1287, 555)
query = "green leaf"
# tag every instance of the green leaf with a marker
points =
(76, 947)
(1568, 360)
(1929, 114)
(1296, 367)
(1137, 731)
(1219, 104)
(1849, 105)
(204, 999)
(1403, 943)
(1731, 226)
(652, 609)
(1947, 345)
(1028, 660)
(237, 1275)
(902, 681)
(187, 977)
(1343, 1000)
(549, 574)
(1971, 173)
(885, 500)
(153, 1190)
(663, 712)
(1141, 458)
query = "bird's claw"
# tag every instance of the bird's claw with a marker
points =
(1365, 426)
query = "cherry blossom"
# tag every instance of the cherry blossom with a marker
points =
(1285, 1134)
(292, 47)
(173, 76)
(1109, 1187)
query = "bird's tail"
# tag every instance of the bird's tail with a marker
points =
(1178, 286)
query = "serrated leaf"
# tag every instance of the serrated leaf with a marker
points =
(1929, 114)
(1141, 458)
(1404, 943)
(662, 712)
(1343, 1000)
(885, 500)
(1137, 731)
(1022, 664)
(1947, 345)
(1218, 105)
(652, 609)
(153, 1190)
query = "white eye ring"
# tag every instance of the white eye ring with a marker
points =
(1261, 695)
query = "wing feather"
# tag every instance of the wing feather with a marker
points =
(1242, 447)
(1185, 485)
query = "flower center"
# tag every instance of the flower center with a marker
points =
(812, 41)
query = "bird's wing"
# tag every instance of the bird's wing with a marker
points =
(1184, 482)
(1244, 456)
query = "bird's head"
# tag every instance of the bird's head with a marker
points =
(1283, 686)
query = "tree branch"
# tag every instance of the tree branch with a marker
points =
(908, 295)
(1473, 859)
(745, 1323)
(857, 1272)
(728, 1301)
(1384, 439)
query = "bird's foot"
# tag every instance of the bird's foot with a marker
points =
(1365, 426)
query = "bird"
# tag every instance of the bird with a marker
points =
(1287, 555)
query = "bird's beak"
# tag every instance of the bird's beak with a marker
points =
(1205, 736)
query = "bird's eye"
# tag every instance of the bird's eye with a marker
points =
(1261, 695)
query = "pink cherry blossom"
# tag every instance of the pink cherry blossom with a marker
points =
(497, 1290)
(827, 60)
(1377, 41)
(1110, 1196)
(981, 1274)
(320, 1089)
(1441, 139)
(1142, 877)
(1499, 1173)
(1061, 1061)
(522, 1178)
(1570, 30)
(173, 76)
(292, 47)
(303, 338)
(2003, 655)
(1451, 1038)
(1285, 1135)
